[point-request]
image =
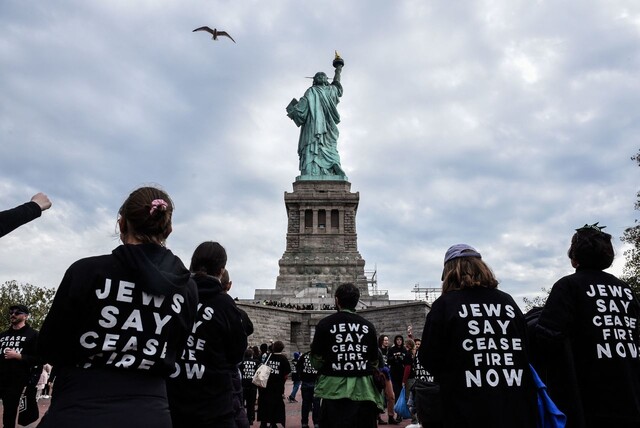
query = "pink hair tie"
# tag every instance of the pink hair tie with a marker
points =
(156, 204)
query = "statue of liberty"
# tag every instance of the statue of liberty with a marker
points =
(317, 116)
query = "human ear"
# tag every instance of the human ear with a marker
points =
(122, 224)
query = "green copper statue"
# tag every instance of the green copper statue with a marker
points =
(317, 116)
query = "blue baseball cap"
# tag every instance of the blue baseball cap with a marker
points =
(460, 250)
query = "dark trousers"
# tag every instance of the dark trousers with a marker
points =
(249, 394)
(240, 415)
(10, 397)
(396, 381)
(309, 404)
(345, 413)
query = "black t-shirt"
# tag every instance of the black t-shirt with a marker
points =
(248, 369)
(419, 371)
(215, 347)
(474, 343)
(599, 316)
(294, 370)
(14, 371)
(305, 369)
(116, 327)
(347, 344)
(129, 310)
(395, 358)
(280, 369)
(217, 341)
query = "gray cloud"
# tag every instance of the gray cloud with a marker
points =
(501, 124)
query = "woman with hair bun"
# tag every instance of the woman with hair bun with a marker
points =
(118, 323)
(474, 344)
(588, 334)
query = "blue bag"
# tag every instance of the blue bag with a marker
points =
(549, 416)
(401, 407)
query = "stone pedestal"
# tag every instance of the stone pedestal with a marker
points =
(322, 246)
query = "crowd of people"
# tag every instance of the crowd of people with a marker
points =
(136, 338)
(297, 307)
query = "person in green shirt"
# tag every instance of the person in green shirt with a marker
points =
(345, 353)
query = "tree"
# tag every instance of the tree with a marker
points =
(37, 299)
(631, 235)
(537, 301)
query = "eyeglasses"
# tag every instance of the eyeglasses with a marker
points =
(15, 312)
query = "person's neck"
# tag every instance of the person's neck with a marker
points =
(131, 240)
(18, 326)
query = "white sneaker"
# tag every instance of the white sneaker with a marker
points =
(414, 426)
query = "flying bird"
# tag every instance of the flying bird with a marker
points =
(214, 32)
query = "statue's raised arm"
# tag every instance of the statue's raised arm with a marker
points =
(338, 63)
(317, 116)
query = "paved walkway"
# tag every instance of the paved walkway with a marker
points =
(293, 411)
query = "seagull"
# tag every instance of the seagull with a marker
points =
(214, 32)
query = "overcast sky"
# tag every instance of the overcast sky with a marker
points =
(504, 124)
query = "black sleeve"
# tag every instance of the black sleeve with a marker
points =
(557, 316)
(318, 346)
(300, 365)
(237, 334)
(246, 322)
(408, 359)
(30, 351)
(56, 341)
(285, 366)
(319, 339)
(373, 352)
(432, 344)
(16, 217)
